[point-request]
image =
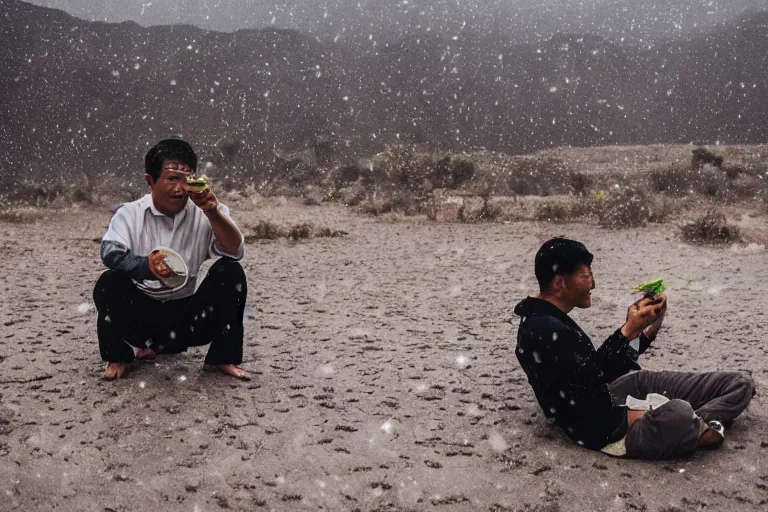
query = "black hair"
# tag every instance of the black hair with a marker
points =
(559, 256)
(169, 149)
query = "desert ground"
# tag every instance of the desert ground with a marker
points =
(384, 376)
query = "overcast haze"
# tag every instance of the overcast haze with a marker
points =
(350, 18)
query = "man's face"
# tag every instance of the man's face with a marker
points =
(577, 287)
(169, 191)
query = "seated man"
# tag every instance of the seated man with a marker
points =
(585, 391)
(155, 319)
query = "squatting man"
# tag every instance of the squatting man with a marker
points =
(147, 305)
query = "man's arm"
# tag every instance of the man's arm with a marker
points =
(116, 245)
(118, 257)
(228, 237)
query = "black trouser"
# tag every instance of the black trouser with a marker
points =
(717, 396)
(214, 314)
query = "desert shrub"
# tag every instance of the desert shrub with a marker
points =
(701, 156)
(711, 228)
(265, 230)
(329, 233)
(733, 171)
(679, 181)
(330, 196)
(462, 170)
(675, 180)
(553, 212)
(17, 214)
(479, 209)
(312, 196)
(352, 195)
(625, 208)
(543, 177)
(347, 174)
(375, 207)
(36, 193)
(300, 231)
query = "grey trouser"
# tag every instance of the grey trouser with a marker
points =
(710, 396)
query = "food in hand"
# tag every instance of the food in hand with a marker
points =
(652, 289)
(197, 185)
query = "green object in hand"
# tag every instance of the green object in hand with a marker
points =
(653, 288)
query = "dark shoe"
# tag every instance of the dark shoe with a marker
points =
(712, 436)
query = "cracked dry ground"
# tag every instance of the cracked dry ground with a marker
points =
(384, 376)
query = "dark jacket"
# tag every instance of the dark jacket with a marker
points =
(569, 377)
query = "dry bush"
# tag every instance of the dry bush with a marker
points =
(329, 233)
(543, 177)
(479, 209)
(351, 195)
(702, 156)
(17, 214)
(675, 180)
(300, 231)
(265, 230)
(626, 208)
(313, 197)
(711, 228)
(375, 207)
(554, 211)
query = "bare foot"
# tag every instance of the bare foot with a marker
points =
(227, 369)
(146, 354)
(115, 371)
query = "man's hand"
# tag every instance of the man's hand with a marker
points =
(640, 315)
(205, 200)
(661, 305)
(157, 265)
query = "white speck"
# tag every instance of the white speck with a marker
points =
(498, 444)
(474, 410)
(83, 308)
(456, 291)
(421, 388)
(553, 89)
(107, 319)
(554, 336)
(681, 470)
(182, 378)
(537, 357)
(280, 480)
(172, 335)
(320, 484)
(228, 327)
(462, 361)
(326, 371)
(552, 410)
(173, 82)
(388, 427)
(142, 384)
(562, 394)
(239, 287)
(715, 290)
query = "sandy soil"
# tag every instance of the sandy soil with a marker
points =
(384, 371)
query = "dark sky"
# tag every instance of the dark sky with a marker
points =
(331, 18)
